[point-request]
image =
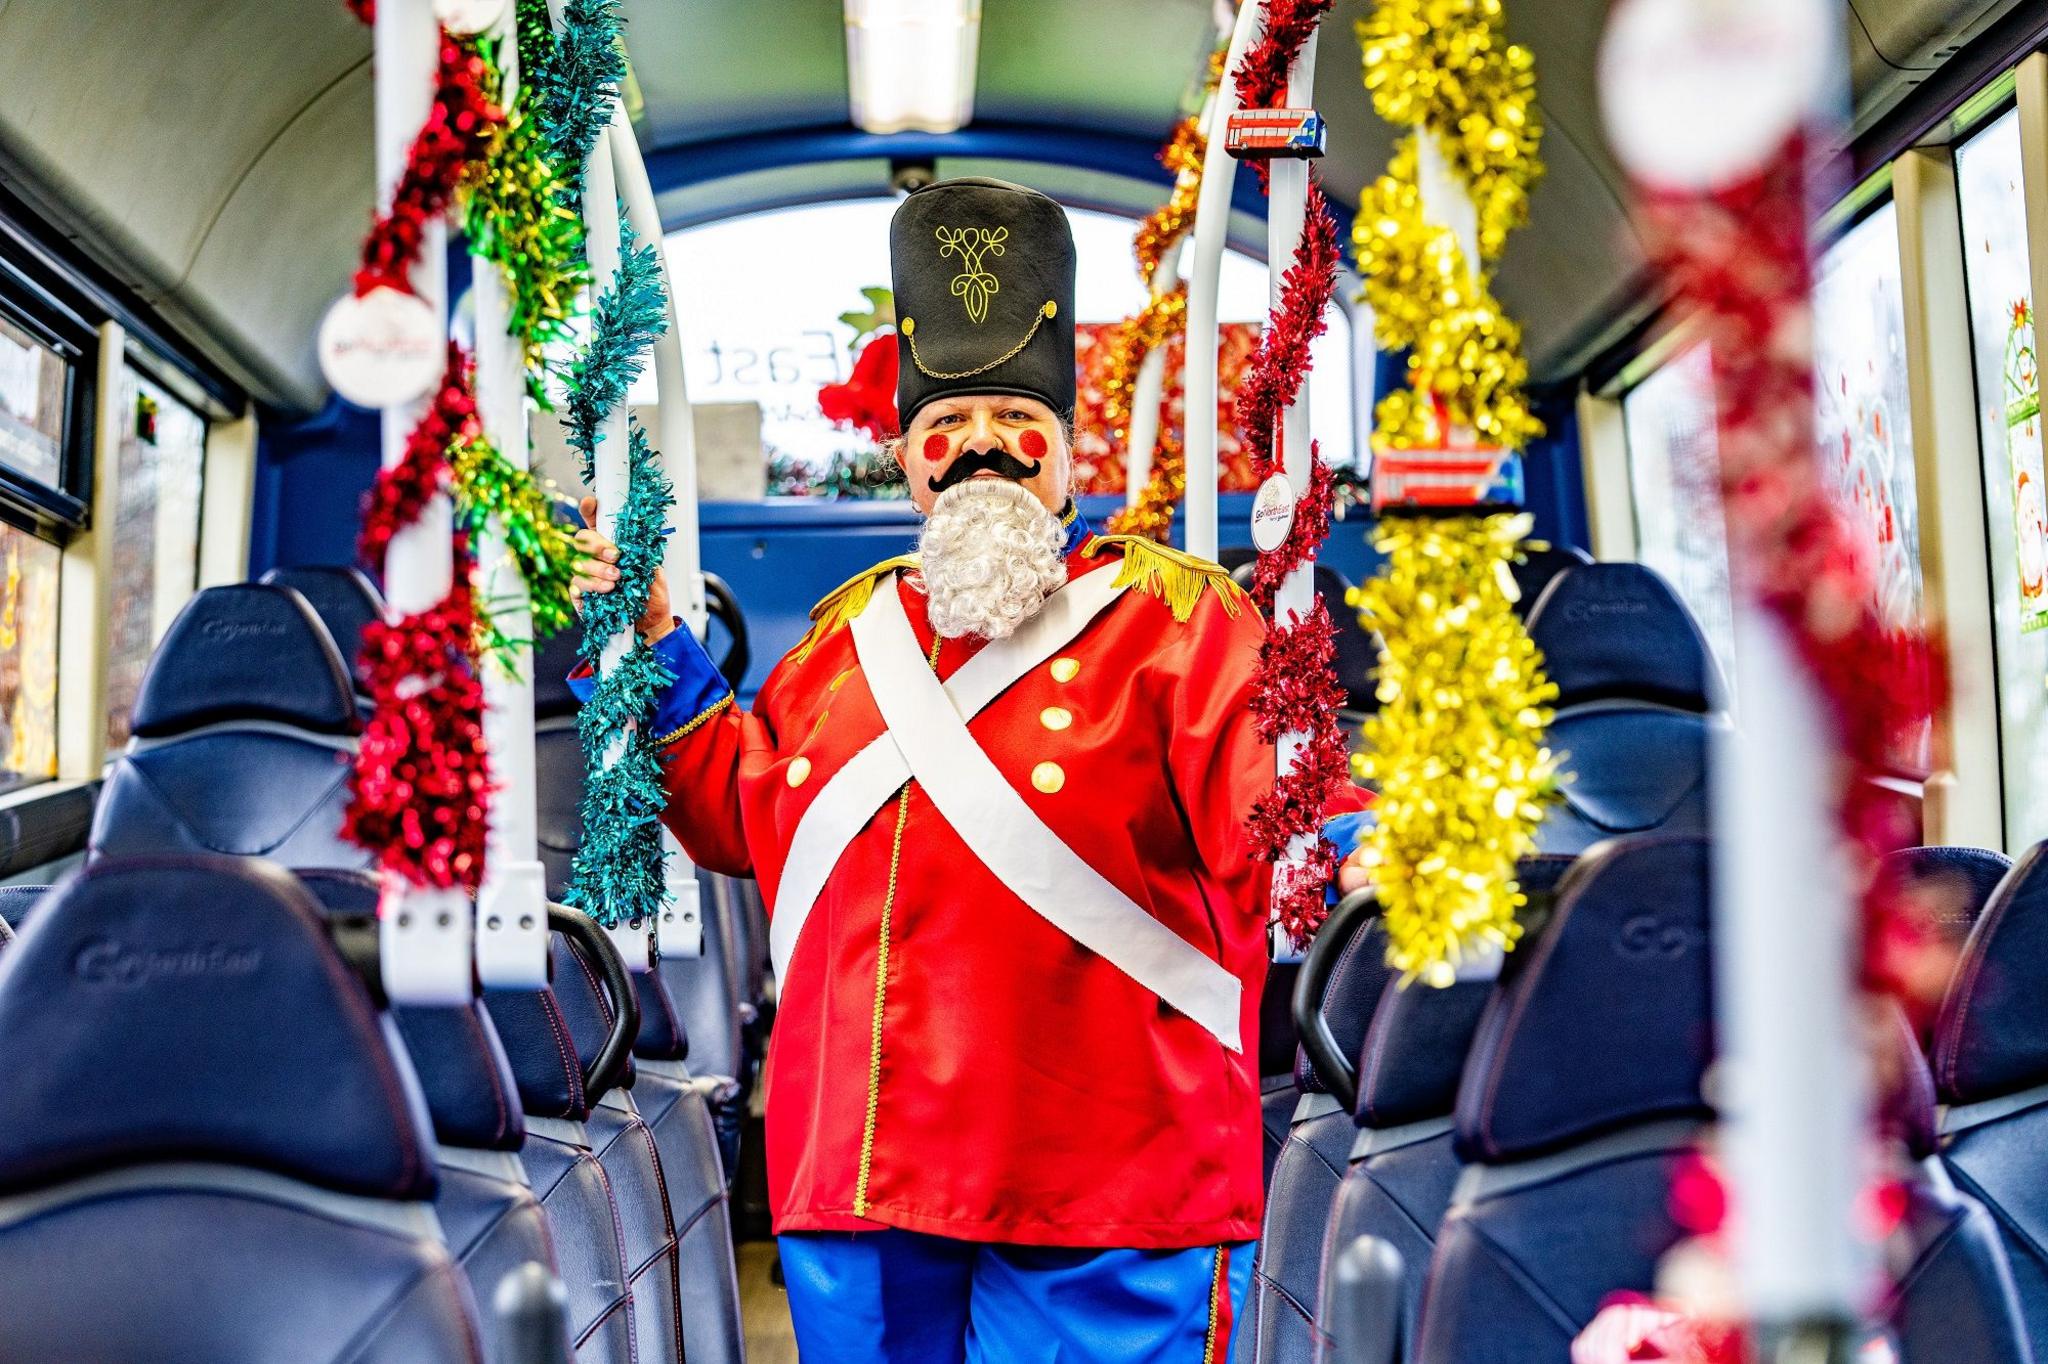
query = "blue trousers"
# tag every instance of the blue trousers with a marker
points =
(898, 1297)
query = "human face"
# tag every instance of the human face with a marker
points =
(1022, 434)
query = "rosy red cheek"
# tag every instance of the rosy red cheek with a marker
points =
(1032, 443)
(935, 446)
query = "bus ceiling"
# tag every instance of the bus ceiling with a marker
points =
(219, 168)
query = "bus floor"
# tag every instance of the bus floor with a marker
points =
(764, 1307)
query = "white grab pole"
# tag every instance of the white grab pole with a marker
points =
(512, 907)
(424, 948)
(1212, 226)
(1142, 422)
(679, 931)
(1792, 1089)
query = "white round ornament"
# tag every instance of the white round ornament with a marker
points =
(1698, 94)
(382, 348)
(467, 17)
(1272, 513)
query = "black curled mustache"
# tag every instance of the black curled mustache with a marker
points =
(971, 462)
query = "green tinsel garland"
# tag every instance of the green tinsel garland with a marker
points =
(627, 318)
(620, 870)
(519, 213)
(488, 487)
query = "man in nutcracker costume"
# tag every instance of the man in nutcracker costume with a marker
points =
(996, 800)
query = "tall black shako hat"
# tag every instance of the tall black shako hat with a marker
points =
(984, 278)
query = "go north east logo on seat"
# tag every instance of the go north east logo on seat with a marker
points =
(104, 961)
(1645, 935)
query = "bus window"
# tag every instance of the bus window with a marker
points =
(1674, 477)
(28, 658)
(2009, 424)
(774, 337)
(156, 534)
(1861, 415)
(32, 405)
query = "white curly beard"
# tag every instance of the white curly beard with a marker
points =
(989, 556)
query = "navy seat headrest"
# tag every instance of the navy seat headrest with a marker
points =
(245, 652)
(554, 1035)
(462, 1068)
(662, 1036)
(1536, 565)
(344, 599)
(1948, 887)
(1991, 1036)
(1616, 631)
(1609, 1019)
(1416, 1045)
(193, 1008)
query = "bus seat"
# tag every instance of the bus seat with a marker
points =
(1358, 649)
(1583, 1087)
(490, 1217)
(1341, 983)
(574, 1190)
(1634, 716)
(676, 1109)
(346, 601)
(1952, 884)
(626, 1148)
(243, 730)
(1402, 1167)
(1533, 569)
(1991, 1074)
(251, 1175)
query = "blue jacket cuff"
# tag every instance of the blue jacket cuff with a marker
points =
(698, 689)
(1345, 833)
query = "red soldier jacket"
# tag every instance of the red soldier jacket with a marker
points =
(948, 1057)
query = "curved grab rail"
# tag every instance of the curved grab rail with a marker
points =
(724, 608)
(1338, 1072)
(608, 1068)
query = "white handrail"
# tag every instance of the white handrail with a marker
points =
(1212, 226)
(424, 939)
(512, 919)
(679, 931)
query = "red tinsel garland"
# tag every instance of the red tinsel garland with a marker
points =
(403, 490)
(421, 786)
(457, 131)
(1295, 688)
(1261, 77)
(1741, 258)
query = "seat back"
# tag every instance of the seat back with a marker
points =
(346, 602)
(1636, 708)
(1402, 1167)
(1341, 982)
(1990, 1066)
(251, 1175)
(677, 1111)
(243, 730)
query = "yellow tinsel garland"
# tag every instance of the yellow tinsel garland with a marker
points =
(1454, 750)
(1165, 225)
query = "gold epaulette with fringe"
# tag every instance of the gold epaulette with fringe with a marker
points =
(1174, 576)
(846, 601)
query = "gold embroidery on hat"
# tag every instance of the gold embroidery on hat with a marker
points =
(973, 286)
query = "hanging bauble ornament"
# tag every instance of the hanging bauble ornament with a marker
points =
(382, 348)
(465, 18)
(1272, 514)
(1697, 96)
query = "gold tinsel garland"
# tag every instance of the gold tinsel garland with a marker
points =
(1455, 749)
(1163, 317)
(1165, 225)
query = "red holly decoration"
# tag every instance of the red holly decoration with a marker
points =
(458, 131)
(867, 400)
(1740, 257)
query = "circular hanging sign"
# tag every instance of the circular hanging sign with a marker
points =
(1697, 96)
(1272, 513)
(467, 17)
(382, 348)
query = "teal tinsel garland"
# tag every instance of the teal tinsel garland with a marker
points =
(627, 318)
(577, 70)
(619, 874)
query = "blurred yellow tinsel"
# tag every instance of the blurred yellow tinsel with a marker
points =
(1455, 749)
